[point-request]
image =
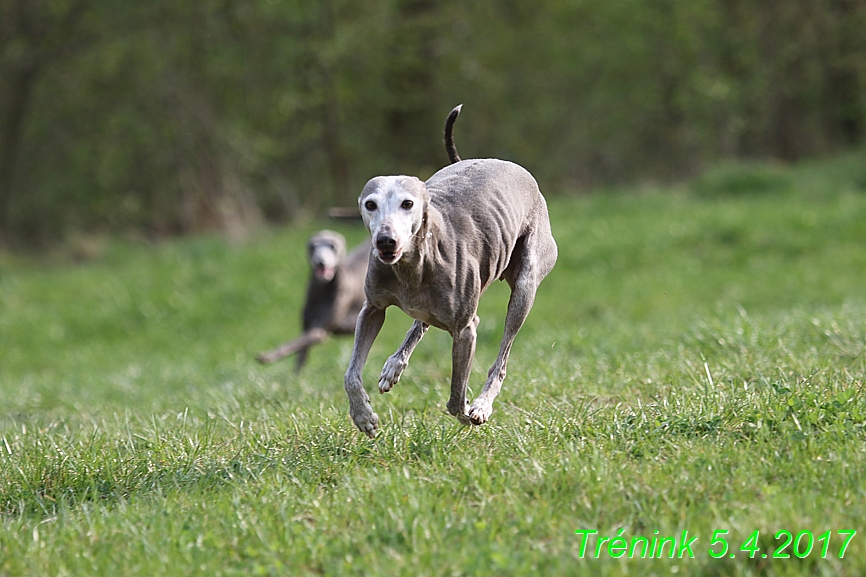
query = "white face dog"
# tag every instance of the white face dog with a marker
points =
(325, 250)
(393, 210)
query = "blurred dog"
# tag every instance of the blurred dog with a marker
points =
(335, 294)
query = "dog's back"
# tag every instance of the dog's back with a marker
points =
(356, 266)
(354, 273)
(490, 205)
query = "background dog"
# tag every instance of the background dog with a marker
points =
(335, 294)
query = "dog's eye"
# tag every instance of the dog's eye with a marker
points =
(407, 204)
(370, 205)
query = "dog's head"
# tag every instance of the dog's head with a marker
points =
(325, 250)
(394, 209)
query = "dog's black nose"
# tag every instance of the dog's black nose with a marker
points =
(385, 243)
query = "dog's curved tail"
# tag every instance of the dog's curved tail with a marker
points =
(449, 135)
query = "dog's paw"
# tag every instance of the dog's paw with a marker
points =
(480, 411)
(391, 372)
(366, 420)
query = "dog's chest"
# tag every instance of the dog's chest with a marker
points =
(416, 303)
(419, 304)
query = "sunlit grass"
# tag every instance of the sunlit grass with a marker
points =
(695, 362)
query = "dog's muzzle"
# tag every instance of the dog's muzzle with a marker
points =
(323, 272)
(386, 249)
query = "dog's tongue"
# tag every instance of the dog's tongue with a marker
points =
(324, 272)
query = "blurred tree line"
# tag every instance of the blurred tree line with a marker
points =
(169, 117)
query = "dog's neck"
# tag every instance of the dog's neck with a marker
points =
(409, 270)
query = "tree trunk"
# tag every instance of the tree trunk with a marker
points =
(18, 90)
(333, 138)
(332, 133)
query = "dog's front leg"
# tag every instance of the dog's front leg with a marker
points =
(370, 321)
(397, 363)
(462, 353)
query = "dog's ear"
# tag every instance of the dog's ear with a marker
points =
(423, 195)
(339, 242)
(369, 188)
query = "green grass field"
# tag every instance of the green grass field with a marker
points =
(696, 362)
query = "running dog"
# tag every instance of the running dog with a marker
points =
(436, 247)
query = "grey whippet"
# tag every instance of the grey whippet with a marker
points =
(437, 246)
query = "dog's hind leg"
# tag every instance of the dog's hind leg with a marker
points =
(522, 297)
(524, 275)
(301, 359)
(302, 343)
(396, 363)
